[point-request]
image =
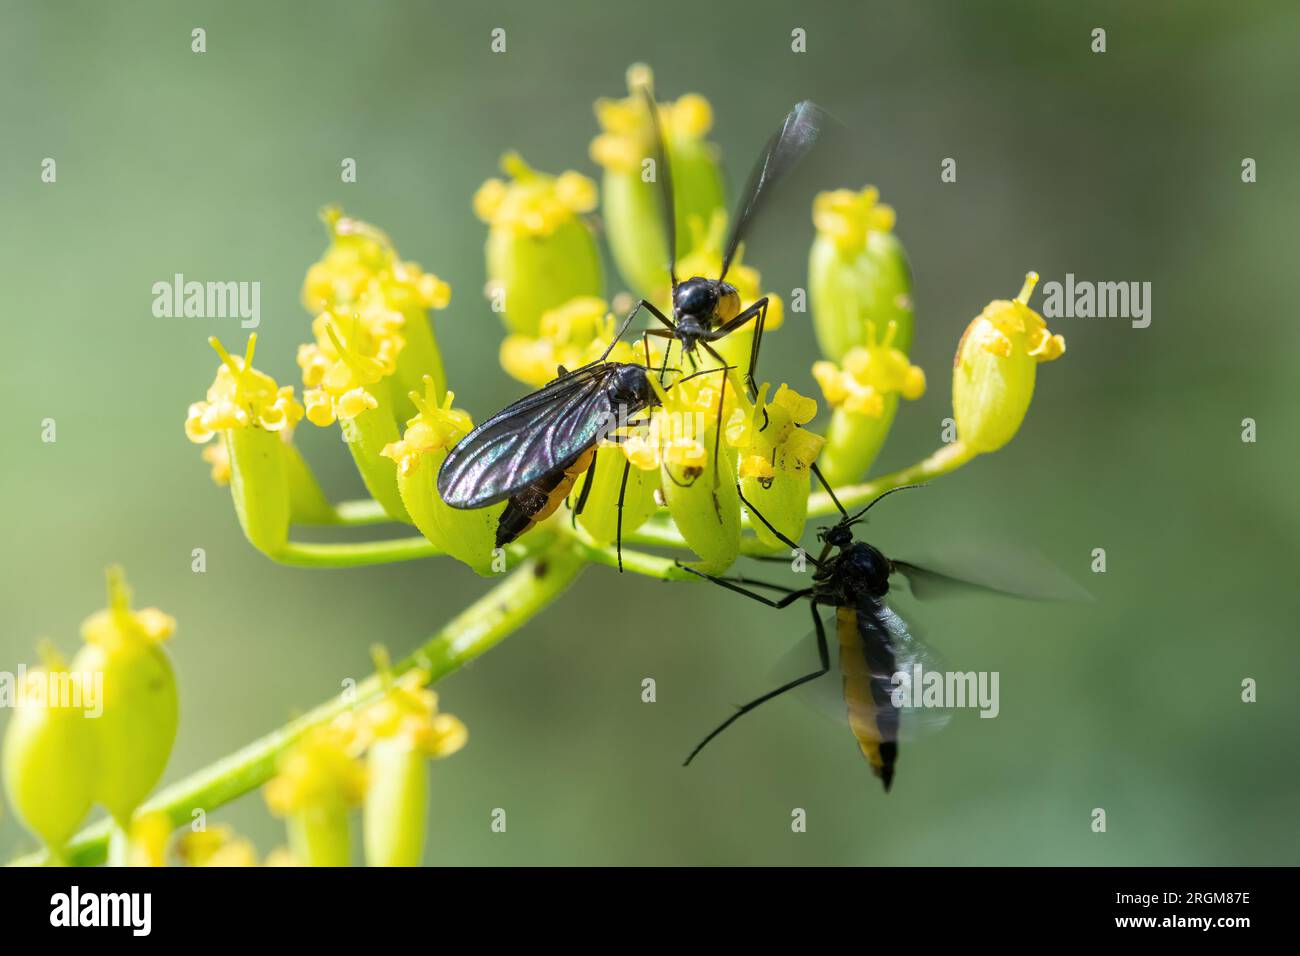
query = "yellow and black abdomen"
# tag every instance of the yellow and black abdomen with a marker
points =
(538, 501)
(867, 663)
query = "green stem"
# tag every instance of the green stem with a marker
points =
(363, 511)
(477, 629)
(354, 554)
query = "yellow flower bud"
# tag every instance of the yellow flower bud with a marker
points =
(857, 273)
(994, 370)
(135, 732)
(776, 458)
(362, 274)
(467, 535)
(49, 757)
(540, 251)
(319, 781)
(404, 731)
(632, 205)
(864, 395)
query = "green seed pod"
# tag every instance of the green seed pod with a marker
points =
(259, 486)
(857, 273)
(318, 783)
(631, 205)
(251, 413)
(854, 440)
(49, 757)
(467, 535)
(348, 372)
(698, 485)
(540, 252)
(600, 513)
(864, 395)
(308, 503)
(994, 371)
(397, 800)
(134, 734)
(405, 732)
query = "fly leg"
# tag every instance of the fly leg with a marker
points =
(790, 596)
(824, 665)
(758, 312)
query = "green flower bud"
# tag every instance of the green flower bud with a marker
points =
(540, 252)
(251, 413)
(857, 273)
(49, 756)
(632, 207)
(405, 731)
(467, 535)
(993, 374)
(362, 274)
(776, 457)
(864, 395)
(135, 732)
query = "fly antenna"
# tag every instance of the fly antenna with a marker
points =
(884, 494)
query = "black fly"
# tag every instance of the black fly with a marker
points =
(705, 310)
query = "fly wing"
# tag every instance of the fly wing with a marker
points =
(878, 658)
(784, 150)
(535, 436)
(991, 569)
(664, 171)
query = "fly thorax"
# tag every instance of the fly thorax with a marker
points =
(863, 570)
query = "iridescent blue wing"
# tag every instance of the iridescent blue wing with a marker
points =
(537, 435)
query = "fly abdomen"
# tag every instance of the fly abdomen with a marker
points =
(538, 501)
(867, 660)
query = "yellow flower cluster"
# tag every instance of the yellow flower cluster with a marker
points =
(626, 134)
(362, 272)
(337, 369)
(566, 336)
(870, 374)
(437, 425)
(848, 217)
(409, 712)
(241, 397)
(774, 426)
(533, 203)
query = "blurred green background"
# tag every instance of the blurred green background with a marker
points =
(1122, 166)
